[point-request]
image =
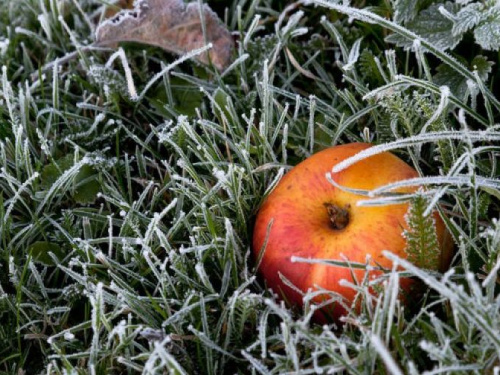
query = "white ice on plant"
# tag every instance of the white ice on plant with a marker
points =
(18, 192)
(45, 24)
(353, 55)
(385, 355)
(4, 45)
(475, 136)
(128, 72)
(469, 304)
(172, 65)
(97, 120)
(443, 102)
(458, 180)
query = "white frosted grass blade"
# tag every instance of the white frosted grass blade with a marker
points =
(147, 254)
(459, 181)
(38, 278)
(257, 365)
(279, 310)
(452, 369)
(97, 120)
(254, 26)
(44, 19)
(72, 36)
(388, 200)
(474, 136)
(439, 193)
(493, 275)
(8, 95)
(160, 359)
(208, 342)
(311, 125)
(58, 310)
(90, 24)
(390, 300)
(128, 363)
(266, 100)
(262, 329)
(333, 297)
(421, 61)
(172, 65)
(443, 102)
(460, 163)
(17, 196)
(484, 90)
(128, 72)
(290, 345)
(240, 60)
(97, 315)
(157, 217)
(275, 181)
(187, 307)
(61, 184)
(293, 21)
(353, 55)
(390, 56)
(76, 328)
(331, 180)
(289, 284)
(463, 302)
(31, 34)
(331, 262)
(203, 276)
(385, 355)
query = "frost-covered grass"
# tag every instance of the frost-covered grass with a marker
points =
(126, 221)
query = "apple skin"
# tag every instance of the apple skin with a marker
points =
(301, 226)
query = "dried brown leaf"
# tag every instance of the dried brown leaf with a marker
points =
(296, 64)
(171, 25)
(112, 10)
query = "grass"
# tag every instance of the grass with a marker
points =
(125, 225)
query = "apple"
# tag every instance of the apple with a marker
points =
(307, 216)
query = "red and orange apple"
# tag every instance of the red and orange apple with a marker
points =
(307, 216)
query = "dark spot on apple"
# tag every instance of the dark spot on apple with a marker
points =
(289, 187)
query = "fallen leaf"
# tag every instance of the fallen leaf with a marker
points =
(171, 25)
(112, 10)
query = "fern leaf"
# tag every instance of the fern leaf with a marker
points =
(421, 238)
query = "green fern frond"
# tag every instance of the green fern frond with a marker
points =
(421, 239)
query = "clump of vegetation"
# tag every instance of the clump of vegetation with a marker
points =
(126, 222)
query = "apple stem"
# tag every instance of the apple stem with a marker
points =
(339, 217)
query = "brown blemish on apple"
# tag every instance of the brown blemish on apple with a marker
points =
(339, 217)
